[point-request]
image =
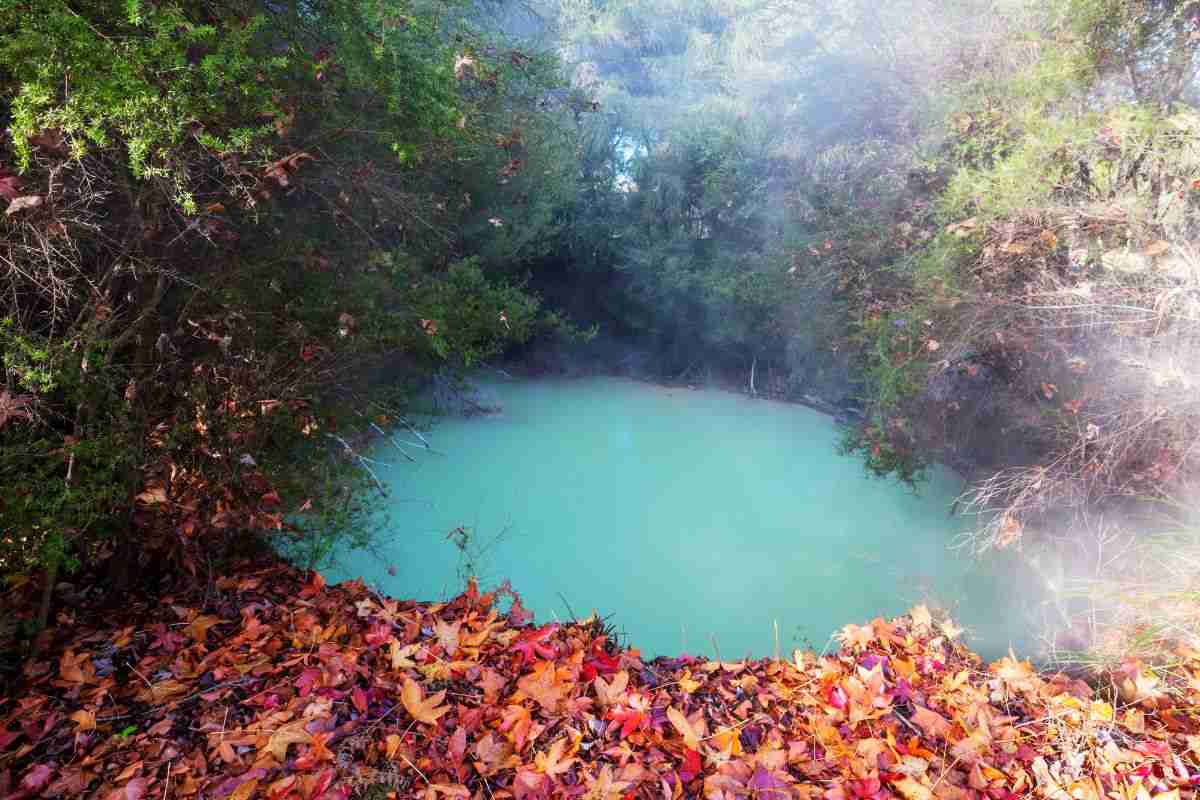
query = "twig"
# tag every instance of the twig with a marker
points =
(362, 461)
(416, 432)
(393, 441)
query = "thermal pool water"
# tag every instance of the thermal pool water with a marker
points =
(699, 521)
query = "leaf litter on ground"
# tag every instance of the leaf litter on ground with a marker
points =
(270, 684)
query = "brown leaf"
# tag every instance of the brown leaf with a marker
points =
(281, 170)
(14, 406)
(494, 754)
(10, 186)
(612, 693)
(931, 723)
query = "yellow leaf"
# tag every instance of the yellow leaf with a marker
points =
(690, 737)
(912, 790)
(553, 761)
(199, 627)
(922, 619)
(286, 735)
(544, 685)
(728, 741)
(419, 707)
(402, 655)
(447, 635)
(153, 495)
(611, 693)
(245, 791)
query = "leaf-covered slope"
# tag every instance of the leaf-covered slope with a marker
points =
(270, 684)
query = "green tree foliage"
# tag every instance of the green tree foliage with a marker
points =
(219, 217)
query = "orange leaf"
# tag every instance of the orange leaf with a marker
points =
(421, 708)
(86, 719)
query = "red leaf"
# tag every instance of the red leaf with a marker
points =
(691, 766)
(10, 186)
(359, 698)
(36, 779)
(534, 642)
(315, 585)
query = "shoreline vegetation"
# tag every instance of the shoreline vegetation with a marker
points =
(265, 682)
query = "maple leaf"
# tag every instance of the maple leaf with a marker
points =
(600, 664)
(912, 789)
(528, 783)
(630, 719)
(517, 723)
(493, 754)
(930, 722)
(611, 693)
(76, 668)
(691, 736)
(533, 644)
(1019, 675)
(544, 686)
(922, 619)
(401, 656)
(285, 736)
(447, 635)
(554, 761)
(605, 787)
(688, 683)
(314, 586)
(421, 708)
(861, 637)
(491, 682)
(728, 741)
(197, 629)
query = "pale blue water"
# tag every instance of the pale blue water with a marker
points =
(689, 516)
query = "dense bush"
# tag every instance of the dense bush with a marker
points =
(219, 216)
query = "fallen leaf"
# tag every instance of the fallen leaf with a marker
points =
(24, 203)
(285, 736)
(421, 708)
